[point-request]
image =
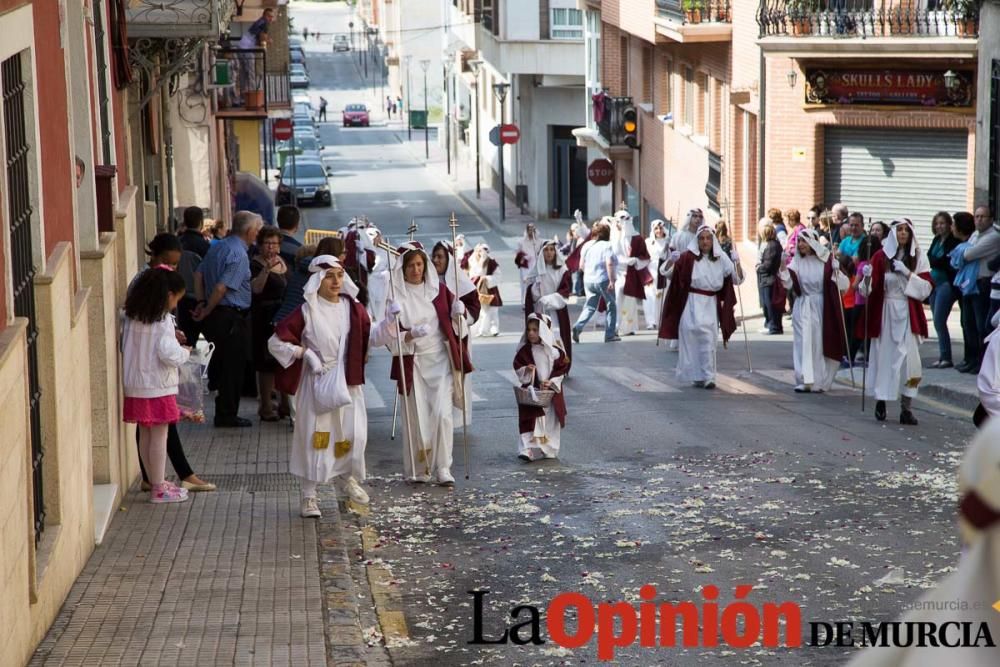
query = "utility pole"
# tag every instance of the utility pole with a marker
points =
(427, 120)
(447, 109)
(476, 65)
(500, 90)
(409, 129)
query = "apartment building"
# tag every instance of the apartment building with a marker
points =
(987, 177)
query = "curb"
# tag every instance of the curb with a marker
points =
(953, 397)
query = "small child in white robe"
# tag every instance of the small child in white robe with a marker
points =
(540, 363)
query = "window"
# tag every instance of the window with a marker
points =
(647, 75)
(714, 184)
(689, 97)
(623, 56)
(666, 100)
(566, 24)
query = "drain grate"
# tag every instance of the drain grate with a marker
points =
(255, 483)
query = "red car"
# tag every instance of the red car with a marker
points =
(355, 114)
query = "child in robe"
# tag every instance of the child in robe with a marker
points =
(540, 363)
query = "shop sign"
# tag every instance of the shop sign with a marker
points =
(925, 88)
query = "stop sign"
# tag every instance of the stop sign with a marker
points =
(601, 172)
(282, 129)
(509, 134)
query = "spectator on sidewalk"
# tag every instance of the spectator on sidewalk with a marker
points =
(966, 277)
(288, 224)
(781, 233)
(879, 230)
(192, 236)
(269, 276)
(856, 316)
(322, 109)
(151, 355)
(225, 311)
(850, 245)
(840, 218)
(598, 260)
(793, 220)
(985, 247)
(945, 294)
(388, 106)
(768, 266)
(825, 227)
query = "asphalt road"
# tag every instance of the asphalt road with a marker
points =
(802, 496)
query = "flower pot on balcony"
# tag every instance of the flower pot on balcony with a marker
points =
(724, 15)
(966, 26)
(254, 99)
(692, 15)
(801, 26)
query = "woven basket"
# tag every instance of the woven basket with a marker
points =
(485, 298)
(541, 399)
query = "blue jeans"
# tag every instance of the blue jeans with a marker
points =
(594, 293)
(981, 307)
(578, 283)
(942, 301)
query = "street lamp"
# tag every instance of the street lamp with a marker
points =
(425, 64)
(500, 90)
(409, 129)
(449, 63)
(475, 65)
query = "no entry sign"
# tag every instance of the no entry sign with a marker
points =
(601, 172)
(282, 129)
(509, 134)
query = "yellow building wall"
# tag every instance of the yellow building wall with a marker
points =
(248, 135)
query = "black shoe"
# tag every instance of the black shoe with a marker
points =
(235, 422)
(906, 417)
(576, 335)
(709, 385)
(880, 410)
(963, 367)
(971, 370)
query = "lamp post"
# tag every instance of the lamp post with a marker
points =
(448, 64)
(425, 64)
(409, 129)
(500, 90)
(475, 65)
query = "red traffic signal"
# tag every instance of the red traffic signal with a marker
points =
(630, 127)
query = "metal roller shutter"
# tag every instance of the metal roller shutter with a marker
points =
(889, 174)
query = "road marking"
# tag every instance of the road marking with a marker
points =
(635, 381)
(733, 386)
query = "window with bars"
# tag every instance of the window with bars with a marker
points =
(22, 267)
(565, 23)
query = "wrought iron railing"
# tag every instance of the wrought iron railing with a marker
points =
(696, 11)
(608, 112)
(165, 19)
(278, 90)
(869, 18)
(247, 79)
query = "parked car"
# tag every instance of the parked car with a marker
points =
(304, 109)
(355, 114)
(340, 43)
(304, 125)
(297, 77)
(297, 56)
(307, 149)
(300, 97)
(310, 180)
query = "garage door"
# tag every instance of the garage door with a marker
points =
(889, 174)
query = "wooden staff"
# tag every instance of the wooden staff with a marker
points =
(406, 390)
(847, 341)
(459, 365)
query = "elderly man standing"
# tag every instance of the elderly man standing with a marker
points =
(985, 248)
(224, 309)
(840, 213)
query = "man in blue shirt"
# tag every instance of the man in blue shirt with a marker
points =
(223, 287)
(598, 261)
(850, 246)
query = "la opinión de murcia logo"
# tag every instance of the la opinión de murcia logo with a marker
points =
(739, 625)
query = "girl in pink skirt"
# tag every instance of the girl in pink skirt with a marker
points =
(151, 356)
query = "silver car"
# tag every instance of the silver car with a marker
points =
(340, 43)
(297, 77)
(310, 180)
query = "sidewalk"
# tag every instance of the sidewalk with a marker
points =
(230, 577)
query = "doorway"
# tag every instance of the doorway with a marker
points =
(569, 174)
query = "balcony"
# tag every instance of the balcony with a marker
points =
(244, 84)
(863, 19)
(557, 58)
(177, 19)
(689, 21)
(278, 91)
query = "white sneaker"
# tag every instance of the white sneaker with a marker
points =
(420, 479)
(310, 509)
(350, 487)
(764, 332)
(673, 345)
(445, 478)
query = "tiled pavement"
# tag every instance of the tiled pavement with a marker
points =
(231, 577)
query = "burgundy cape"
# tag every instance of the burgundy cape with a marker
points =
(573, 261)
(526, 414)
(458, 353)
(464, 264)
(562, 315)
(918, 321)
(521, 259)
(290, 330)
(677, 296)
(637, 279)
(834, 344)
(491, 267)
(351, 260)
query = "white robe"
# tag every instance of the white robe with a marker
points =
(651, 305)
(489, 316)
(628, 306)
(895, 367)
(428, 420)
(378, 288)
(464, 287)
(547, 430)
(812, 369)
(346, 424)
(530, 248)
(699, 325)
(988, 381)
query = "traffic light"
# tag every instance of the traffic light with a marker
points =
(630, 127)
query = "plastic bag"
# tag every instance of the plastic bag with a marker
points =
(191, 386)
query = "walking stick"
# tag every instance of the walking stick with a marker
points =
(406, 390)
(460, 364)
(743, 320)
(395, 408)
(847, 342)
(864, 369)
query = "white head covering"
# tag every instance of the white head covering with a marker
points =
(528, 226)
(890, 244)
(810, 236)
(319, 267)
(622, 229)
(692, 220)
(716, 248)
(659, 224)
(541, 270)
(431, 281)
(477, 266)
(373, 233)
(465, 285)
(548, 339)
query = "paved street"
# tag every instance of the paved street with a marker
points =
(802, 496)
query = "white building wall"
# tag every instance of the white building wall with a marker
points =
(989, 49)
(420, 24)
(520, 20)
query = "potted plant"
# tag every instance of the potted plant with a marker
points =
(800, 14)
(723, 12)
(966, 13)
(692, 10)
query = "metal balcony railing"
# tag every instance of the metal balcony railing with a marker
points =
(696, 11)
(869, 18)
(608, 117)
(165, 19)
(278, 90)
(247, 74)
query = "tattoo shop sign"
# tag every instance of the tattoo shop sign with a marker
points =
(925, 88)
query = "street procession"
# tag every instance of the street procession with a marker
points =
(372, 332)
